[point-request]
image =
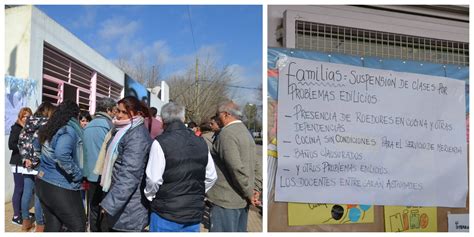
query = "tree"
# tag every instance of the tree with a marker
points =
(201, 96)
(250, 116)
(141, 70)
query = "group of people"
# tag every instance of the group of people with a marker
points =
(142, 171)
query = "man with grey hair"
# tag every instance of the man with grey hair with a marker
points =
(94, 135)
(179, 172)
(239, 173)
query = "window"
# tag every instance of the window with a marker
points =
(107, 88)
(360, 42)
(66, 78)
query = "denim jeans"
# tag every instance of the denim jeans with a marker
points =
(159, 224)
(17, 193)
(28, 186)
(61, 207)
(228, 220)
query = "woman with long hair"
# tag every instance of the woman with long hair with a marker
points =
(15, 163)
(30, 152)
(59, 174)
(125, 205)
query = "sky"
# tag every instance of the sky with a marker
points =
(231, 35)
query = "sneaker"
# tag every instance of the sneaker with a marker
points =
(17, 220)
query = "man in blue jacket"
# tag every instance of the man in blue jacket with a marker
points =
(94, 134)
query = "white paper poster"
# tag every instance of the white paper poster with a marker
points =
(458, 222)
(357, 135)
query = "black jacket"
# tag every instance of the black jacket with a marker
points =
(181, 196)
(13, 144)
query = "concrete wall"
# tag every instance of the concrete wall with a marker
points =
(26, 30)
(17, 41)
(165, 92)
(17, 63)
(157, 102)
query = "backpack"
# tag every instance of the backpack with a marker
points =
(28, 143)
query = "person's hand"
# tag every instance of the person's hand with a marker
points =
(256, 199)
(27, 163)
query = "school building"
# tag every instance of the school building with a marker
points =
(46, 62)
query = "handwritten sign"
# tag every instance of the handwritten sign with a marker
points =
(410, 219)
(458, 222)
(349, 134)
(315, 214)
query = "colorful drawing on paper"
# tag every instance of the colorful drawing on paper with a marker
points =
(315, 214)
(17, 93)
(410, 219)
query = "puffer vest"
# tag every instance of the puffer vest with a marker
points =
(181, 196)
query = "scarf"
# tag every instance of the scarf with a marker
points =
(99, 165)
(82, 149)
(121, 127)
(101, 157)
